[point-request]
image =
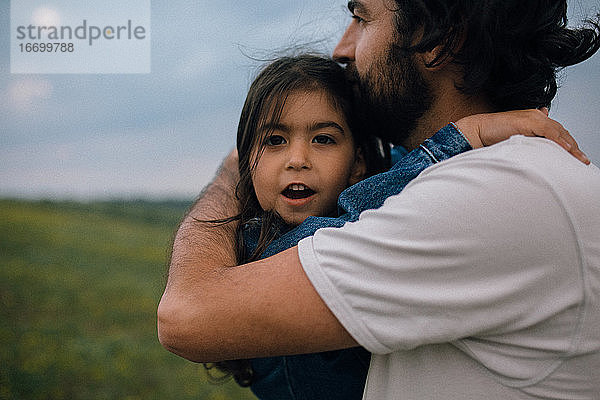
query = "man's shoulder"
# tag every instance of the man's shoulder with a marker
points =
(520, 175)
(539, 158)
(524, 150)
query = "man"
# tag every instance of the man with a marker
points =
(480, 280)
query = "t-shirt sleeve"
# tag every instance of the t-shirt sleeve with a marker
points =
(449, 258)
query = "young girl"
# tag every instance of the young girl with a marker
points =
(299, 148)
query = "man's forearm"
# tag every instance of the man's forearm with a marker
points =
(200, 248)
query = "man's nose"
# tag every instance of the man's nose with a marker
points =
(344, 51)
(298, 157)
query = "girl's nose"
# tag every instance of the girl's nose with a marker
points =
(298, 157)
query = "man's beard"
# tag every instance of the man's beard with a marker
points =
(392, 96)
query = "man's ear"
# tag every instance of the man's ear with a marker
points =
(432, 61)
(359, 168)
(435, 59)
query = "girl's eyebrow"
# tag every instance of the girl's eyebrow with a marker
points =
(315, 126)
(271, 127)
(326, 124)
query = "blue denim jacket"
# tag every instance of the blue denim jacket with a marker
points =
(341, 374)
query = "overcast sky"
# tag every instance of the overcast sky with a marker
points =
(163, 134)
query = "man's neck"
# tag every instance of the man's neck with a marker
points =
(449, 105)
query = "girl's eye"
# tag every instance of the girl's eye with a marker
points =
(323, 139)
(274, 140)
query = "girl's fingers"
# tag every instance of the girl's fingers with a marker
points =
(560, 135)
(544, 110)
(572, 147)
(566, 145)
(580, 156)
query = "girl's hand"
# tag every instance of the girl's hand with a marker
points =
(488, 129)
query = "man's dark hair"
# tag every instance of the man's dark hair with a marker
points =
(510, 50)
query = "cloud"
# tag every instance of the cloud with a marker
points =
(165, 132)
(27, 94)
(45, 16)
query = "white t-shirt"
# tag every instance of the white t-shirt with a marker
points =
(481, 280)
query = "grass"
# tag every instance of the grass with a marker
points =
(79, 287)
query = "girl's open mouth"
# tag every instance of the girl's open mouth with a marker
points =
(297, 191)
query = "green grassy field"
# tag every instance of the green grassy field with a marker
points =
(79, 286)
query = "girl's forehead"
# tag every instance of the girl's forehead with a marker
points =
(314, 94)
(301, 109)
(275, 105)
